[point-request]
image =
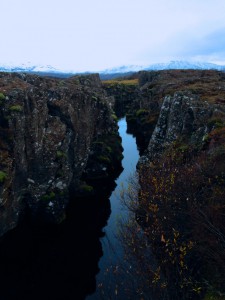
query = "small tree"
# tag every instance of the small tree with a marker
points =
(179, 222)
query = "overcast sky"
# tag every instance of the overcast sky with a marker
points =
(98, 34)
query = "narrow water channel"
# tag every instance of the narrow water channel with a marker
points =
(67, 261)
(111, 245)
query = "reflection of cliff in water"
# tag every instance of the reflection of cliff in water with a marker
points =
(57, 262)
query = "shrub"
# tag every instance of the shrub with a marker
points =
(142, 112)
(86, 188)
(215, 123)
(2, 96)
(114, 117)
(49, 196)
(60, 154)
(179, 210)
(3, 176)
(16, 108)
(212, 296)
(103, 159)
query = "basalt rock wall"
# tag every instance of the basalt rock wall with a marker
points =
(47, 128)
(185, 118)
(192, 107)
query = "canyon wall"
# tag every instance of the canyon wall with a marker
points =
(58, 136)
(192, 107)
(162, 107)
(47, 130)
(186, 119)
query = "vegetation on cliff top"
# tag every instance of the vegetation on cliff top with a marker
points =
(132, 82)
(208, 84)
(175, 241)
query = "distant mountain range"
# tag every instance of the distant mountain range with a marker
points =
(110, 73)
(167, 66)
(28, 67)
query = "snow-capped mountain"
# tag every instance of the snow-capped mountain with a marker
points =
(30, 68)
(124, 69)
(184, 65)
(166, 66)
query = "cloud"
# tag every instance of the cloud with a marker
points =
(208, 47)
(100, 34)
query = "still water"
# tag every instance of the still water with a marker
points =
(68, 261)
(112, 249)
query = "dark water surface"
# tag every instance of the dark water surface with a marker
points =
(112, 249)
(67, 261)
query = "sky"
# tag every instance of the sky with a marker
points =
(93, 35)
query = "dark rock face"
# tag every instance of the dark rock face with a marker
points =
(47, 128)
(182, 116)
(137, 103)
(124, 96)
(182, 176)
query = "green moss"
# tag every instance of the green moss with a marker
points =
(85, 188)
(119, 157)
(215, 123)
(103, 159)
(205, 138)
(2, 96)
(3, 176)
(142, 112)
(183, 148)
(98, 143)
(16, 108)
(106, 152)
(49, 196)
(60, 154)
(213, 296)
(114, 117)
(7, 117)
(219, 125)
(109, 149)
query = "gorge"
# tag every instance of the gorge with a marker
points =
(60, 141)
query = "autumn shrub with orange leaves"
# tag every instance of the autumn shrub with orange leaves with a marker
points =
(176, 239)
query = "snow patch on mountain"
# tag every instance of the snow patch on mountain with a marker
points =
(29, 67)
(185, 65)
(166, 66)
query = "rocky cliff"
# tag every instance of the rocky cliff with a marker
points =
(191, 106)
(184, 117)
(181, 180)
(47, 130)
(201, 93)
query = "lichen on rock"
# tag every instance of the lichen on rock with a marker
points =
(47, 129)
(183, 116)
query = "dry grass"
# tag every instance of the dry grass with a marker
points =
(121, 81)
(208, 84)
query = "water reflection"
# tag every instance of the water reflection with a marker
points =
(107, 279)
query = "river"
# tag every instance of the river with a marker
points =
(112, 248)
(68, 261)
